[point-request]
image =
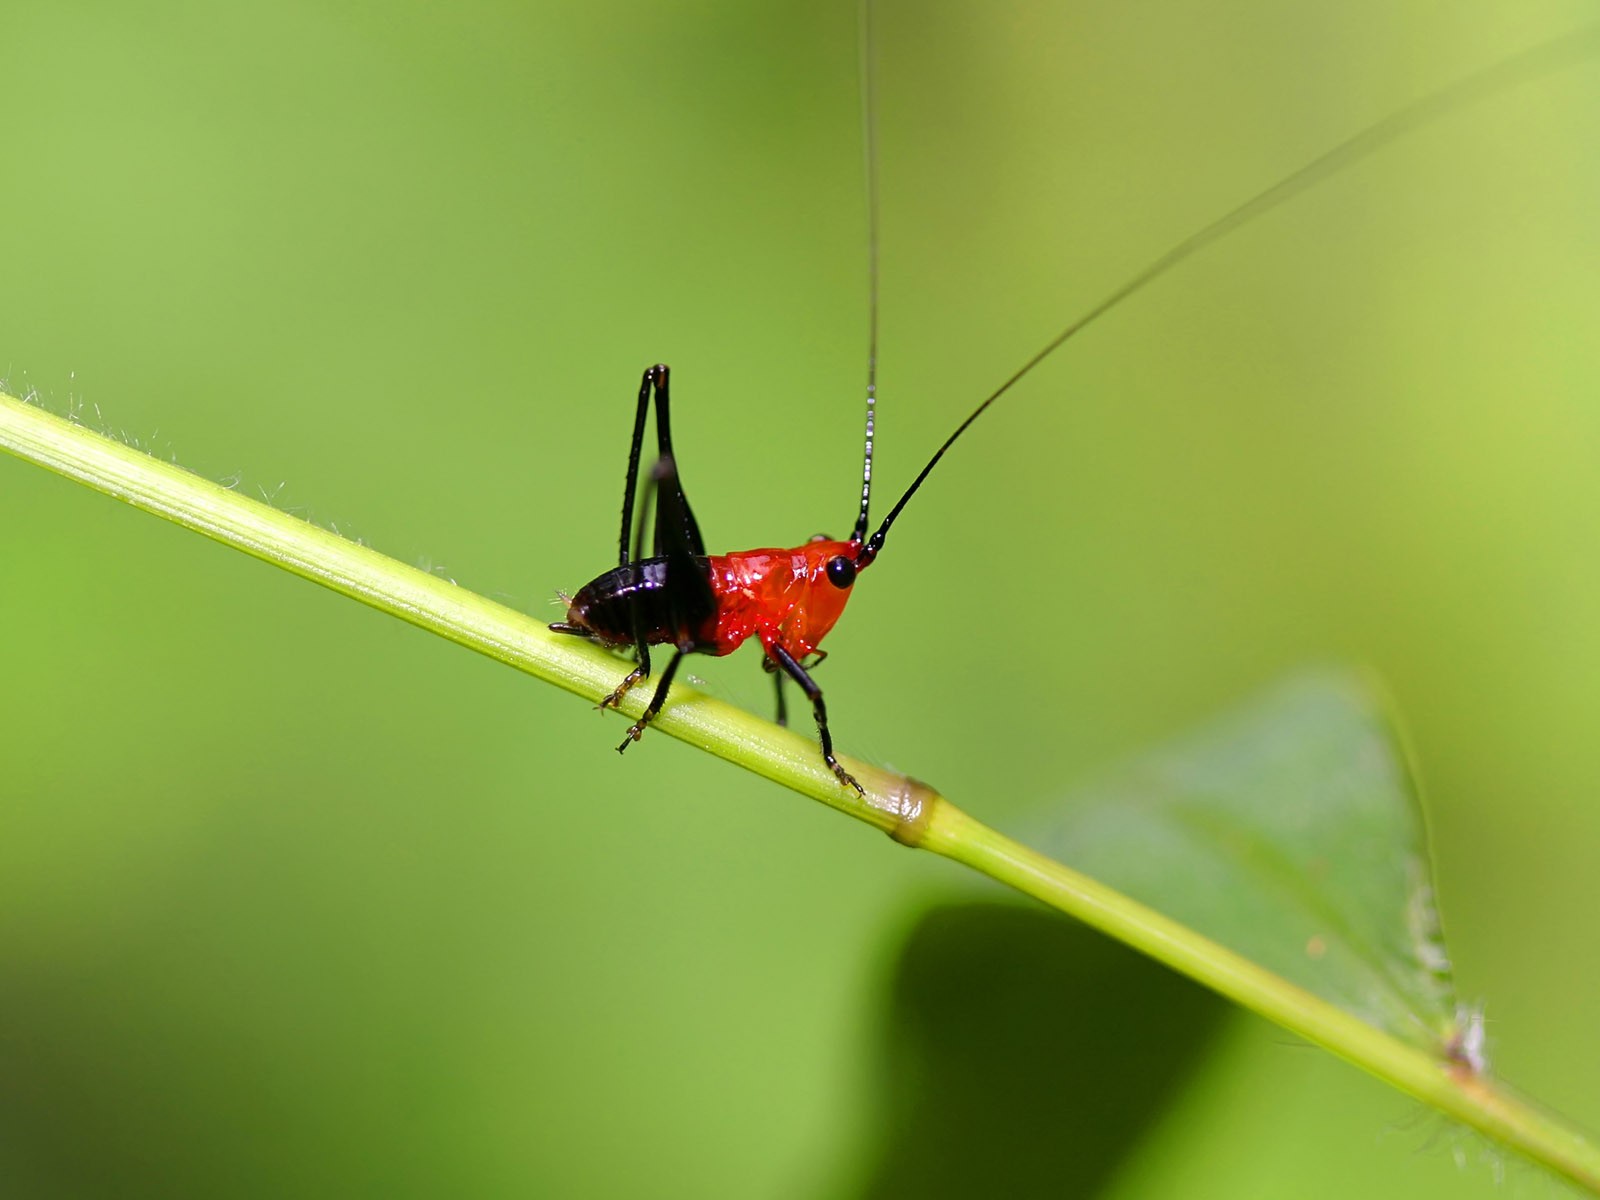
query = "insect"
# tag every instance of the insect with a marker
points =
(712, 604)
(788, 599)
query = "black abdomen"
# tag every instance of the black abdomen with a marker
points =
(641, 597)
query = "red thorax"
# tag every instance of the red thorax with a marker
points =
(783, 597)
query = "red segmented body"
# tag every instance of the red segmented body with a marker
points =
(783, 597)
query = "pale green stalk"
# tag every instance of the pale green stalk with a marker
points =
(910, 812)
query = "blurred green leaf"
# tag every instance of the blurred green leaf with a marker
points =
(1290, 832)
(987, 1005)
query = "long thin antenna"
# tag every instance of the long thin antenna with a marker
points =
(869, 142)
(1519, 68)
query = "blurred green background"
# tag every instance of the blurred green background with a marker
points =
(295, 899)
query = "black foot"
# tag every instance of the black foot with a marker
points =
(845, 777)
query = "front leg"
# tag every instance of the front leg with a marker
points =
(808, 685)
(771, 668)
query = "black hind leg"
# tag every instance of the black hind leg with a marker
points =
(636, 730)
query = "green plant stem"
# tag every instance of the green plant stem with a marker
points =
(1434, 1078)
(910, 812)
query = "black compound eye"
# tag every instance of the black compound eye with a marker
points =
(841, 572)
